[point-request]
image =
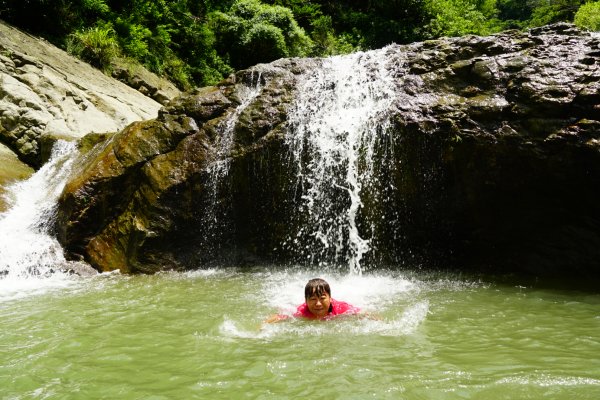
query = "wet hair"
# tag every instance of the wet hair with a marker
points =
(316, 286)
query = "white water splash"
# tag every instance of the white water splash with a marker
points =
(27, 250)
(371, 293)
(374, 294)
(402, 325)
(340, 113)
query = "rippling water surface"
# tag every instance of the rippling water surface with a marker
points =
(200, 335)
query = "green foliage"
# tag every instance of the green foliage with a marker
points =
(320, 28)
(588, 16)
(512, 14)
(326, 42)
(305, 12)
(375, 23)
(169, 39)
(96, 45)
(178, 71)
(263, 42)
(54, 19)
(488, 7)
(455, 18)
(198, 42)
(95, 7)
(550, 11)
(514, 10)
(134, 38)
(460, 17)
(251, 32)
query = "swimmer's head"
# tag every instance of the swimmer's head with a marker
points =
(318, 297)
(317, 287)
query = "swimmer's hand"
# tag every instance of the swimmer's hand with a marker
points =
(275, 318)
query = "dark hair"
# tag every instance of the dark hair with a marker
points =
(316, 286)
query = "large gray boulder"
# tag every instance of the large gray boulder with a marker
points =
(486, 154)
(46, 94)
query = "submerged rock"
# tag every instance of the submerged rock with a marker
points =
(78, 268)
(486, 155)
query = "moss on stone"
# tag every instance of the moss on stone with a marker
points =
(11, 170)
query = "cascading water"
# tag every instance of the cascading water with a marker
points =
(26, 247)
(219, 168)
(215, 215)
(339, 116)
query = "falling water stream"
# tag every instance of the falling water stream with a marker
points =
(216, 215)
(30, 257)
(200, 335)
(340, 114)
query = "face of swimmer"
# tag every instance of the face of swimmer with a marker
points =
(318, 297)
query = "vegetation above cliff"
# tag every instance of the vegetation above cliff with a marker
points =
(198, 42)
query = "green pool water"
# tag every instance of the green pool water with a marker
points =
(200, 336)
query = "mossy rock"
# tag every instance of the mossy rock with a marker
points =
(11, 170)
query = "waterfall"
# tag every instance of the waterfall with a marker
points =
(216, 217)
(27, 248)
(220, 167)
(339, 116)
(336, 121)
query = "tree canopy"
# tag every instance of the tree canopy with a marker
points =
(198, 42)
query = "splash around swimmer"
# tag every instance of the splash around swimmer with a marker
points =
(318, 304)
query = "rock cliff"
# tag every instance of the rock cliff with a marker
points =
(489, 157)
(47, 94)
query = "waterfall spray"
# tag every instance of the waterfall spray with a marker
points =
(340, 110)
(215, 215)
(26, 246)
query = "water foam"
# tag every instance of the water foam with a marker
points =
(14, 288)
(404, 324)
(371, 292)
(283, 291)
(546, 380)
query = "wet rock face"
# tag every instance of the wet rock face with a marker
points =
(140, 202)
(491, 158)
(516, 130)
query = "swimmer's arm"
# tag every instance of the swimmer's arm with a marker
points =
(276, 318)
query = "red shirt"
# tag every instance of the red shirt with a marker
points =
(337, 308)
